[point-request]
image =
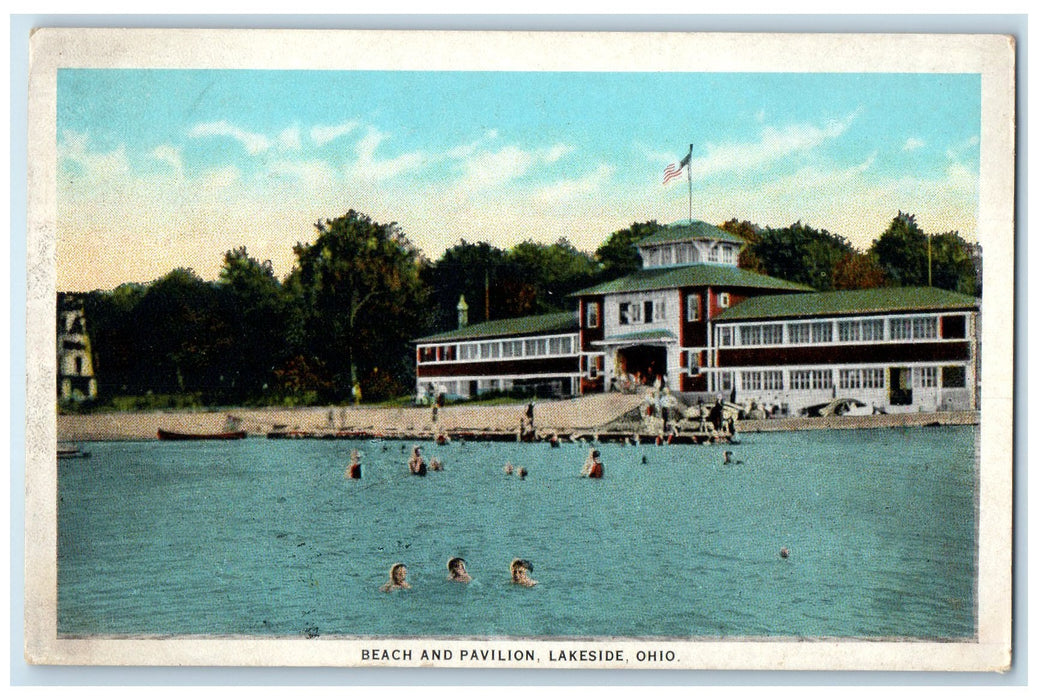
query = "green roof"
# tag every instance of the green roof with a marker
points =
(658, 334)
(561, 322)
(684, 231)
(698, 275)
(850, 302)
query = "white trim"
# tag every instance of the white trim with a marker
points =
(736, 326)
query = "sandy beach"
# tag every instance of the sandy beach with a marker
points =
(586, 413)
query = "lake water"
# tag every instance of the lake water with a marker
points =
(267, 538)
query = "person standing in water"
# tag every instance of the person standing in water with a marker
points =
(593, 467)
(456, 571)
(353, 471)
(397, 579)
(521, 570)
(416, 464)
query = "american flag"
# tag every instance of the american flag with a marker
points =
(674, 169)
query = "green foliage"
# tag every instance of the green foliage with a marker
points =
(802, 254)
(909, 257)
(858, 271)
(618, 255)
(361, 299)
(468, 269)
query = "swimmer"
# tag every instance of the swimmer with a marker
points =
(522, 472)
(456, 571)
(509, 468)
(416, 464)
(554, 440)
(728, 458)
(645, 460)
(593, 468)
(784, 553)
(435, 465)
(397, 579)
(353, 471)
(521, 573)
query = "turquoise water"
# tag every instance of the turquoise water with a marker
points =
(268, 538)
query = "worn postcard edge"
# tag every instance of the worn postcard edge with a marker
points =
(991, 56)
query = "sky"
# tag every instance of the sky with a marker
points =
(159, 169)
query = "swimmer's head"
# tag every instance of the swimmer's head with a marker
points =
(398, 573)
(456, 566)
(354, 454)
(594, 453)
(784, 553)
(519, 566)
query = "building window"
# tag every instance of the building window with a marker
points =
(592, 314)
(667, 256)
(489, 351)
(900, 329)
(925, 377)
(849, 331)
(822, 332)
(749, 335)
(872, 329)
(693, 362)
(953, 327)
(724, 381)
(850, 378)
(924, 328)
(953, 377)
(712, 255)
(468, 351)
(800, 379)
(772, 380)
(799, 333)
(681, 254)
(724, 300)
(751, 381)
(661, 309)
(725, 339)
(692, 308)
(729, 256)
(821, 379)
(771, 334)
(873, 378)
(648, 311)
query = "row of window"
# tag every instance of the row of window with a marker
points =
(953, 376)
(821, 332)
(689, 253)
(499, 349)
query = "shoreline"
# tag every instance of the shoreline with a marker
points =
(585, 414)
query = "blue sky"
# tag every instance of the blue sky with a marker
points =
(161, 168)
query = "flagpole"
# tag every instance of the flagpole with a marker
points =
(688, 171)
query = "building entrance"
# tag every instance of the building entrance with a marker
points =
(641, 364)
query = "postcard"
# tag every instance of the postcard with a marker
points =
(520, 350)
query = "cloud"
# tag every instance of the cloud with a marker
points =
(486, 169)
(253, 143)
(913, 144)
(97, 167)
(369, 167)
(569, 190)
(171, 155)
(323, 134)
(773, 145)
(289, 139)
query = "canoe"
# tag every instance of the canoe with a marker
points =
(229, 435)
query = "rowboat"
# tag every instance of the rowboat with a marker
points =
(228, 435)
(67, 451)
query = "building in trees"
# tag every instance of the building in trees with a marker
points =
(692, 320)
(76, 380)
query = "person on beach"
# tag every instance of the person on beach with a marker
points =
(397, 579)
(456, 571)
(529, 414)
(593, 468)
(416, 464)
(521, 570)
(353, 471)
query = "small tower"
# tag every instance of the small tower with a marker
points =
(76, 380)
(463, 312)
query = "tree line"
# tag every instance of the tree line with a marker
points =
(356, 296)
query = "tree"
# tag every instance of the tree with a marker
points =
(954, 266)
(858, 271)
(542, 276)
(469, 269)
(801, 254)
(257, 310)
(901, 252)
(618, 255)
(362, 297)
